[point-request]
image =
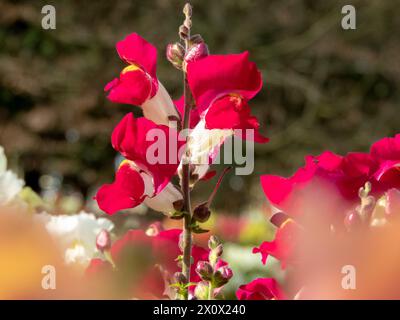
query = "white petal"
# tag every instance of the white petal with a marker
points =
(204, 145)
(76, 233)
(10, 186)
(163, 202)
(160, 107)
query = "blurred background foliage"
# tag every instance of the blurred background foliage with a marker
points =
(325, 88)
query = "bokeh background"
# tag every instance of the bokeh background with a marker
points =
(325, 87)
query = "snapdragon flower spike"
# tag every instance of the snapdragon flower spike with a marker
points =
(138, 84)
(222, 85)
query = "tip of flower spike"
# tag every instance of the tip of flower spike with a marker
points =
(187, 10)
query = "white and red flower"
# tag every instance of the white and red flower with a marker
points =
(138, 84)
(139, 179)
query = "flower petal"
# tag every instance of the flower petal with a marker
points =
(194, 112)
(217, 75)
(135, 139)
(160, 108)
(164, 201)
(233, 112)
(132, 87)
(136, 50)
(260, 289)
(127, 191)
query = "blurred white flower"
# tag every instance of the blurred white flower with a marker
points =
(76, 234)
(10, 185)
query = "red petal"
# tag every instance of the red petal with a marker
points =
(260, 289)
(232, 112)
(217, 75)
(125, 192)
(136, 50)
(133, 87)
(283, 245)
(194, 113)
(387, 148)
(130, 139)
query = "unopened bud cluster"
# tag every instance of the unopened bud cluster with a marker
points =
(373, 212)
(213, 273)
(195, 47)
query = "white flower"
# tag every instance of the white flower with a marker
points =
(76, 234)
(10, 185)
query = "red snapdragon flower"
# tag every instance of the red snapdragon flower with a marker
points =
(261, 289)
(222, 85)
(343, 175)
(135, 256)
(141, 178)
(336, 178)
(326, 190)
(138, 83)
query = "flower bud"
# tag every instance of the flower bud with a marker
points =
(154, 229)
(201, 213)
(196, 52)
(178, 205)
(213, 242)
(367, 207)
(364, 191)
(279, 218)
(183, 32)
(196, 38)
(103, 240)
(222, 276)
(392, 203)
(352, 220)
(187, 10)
(179, 278)
(201, 290)
(204, 270)
(175, 54)
(215, 254)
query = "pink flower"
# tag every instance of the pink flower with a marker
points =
(145, 175)
(138, 83)
(260, 289)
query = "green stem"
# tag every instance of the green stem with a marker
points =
(210, 291)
